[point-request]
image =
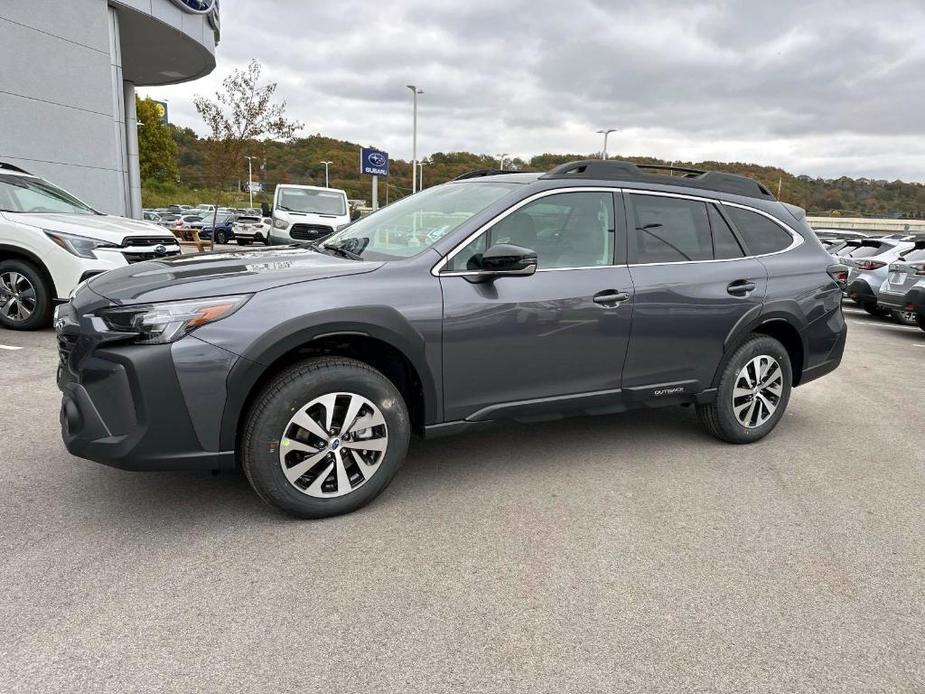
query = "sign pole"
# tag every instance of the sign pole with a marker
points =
(375, 193)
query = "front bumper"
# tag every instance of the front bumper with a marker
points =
(130, 406)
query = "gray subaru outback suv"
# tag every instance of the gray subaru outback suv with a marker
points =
(596, 287)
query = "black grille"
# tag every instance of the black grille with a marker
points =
(149, 241)
(139, 257)
(66, 345)
(309, 232)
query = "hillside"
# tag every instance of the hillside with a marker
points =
(298, 162)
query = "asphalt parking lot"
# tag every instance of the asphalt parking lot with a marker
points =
(626, 552)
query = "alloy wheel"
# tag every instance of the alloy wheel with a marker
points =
(17, 296)
(333, 445)
(757, 391)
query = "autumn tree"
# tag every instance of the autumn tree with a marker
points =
(157, 150)
(243, 112)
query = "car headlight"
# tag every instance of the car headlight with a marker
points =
(81, 246)
(157, 324)
(280, 224)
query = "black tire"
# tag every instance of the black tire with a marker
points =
(244, 242)
(920, 319)
(220, 237)
(904, 317)
(291, 390)
(875, 310)
(718, 417)
(40, 316)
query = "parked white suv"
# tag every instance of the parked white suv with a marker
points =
(50, 242)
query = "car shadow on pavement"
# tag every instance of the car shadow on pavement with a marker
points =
(507, 450)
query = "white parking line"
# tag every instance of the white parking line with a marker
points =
(916, 344)
(10, 347)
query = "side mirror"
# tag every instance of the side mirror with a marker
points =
(266, 210)
(505, 259)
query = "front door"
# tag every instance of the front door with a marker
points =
(549, 342)
(693, 285)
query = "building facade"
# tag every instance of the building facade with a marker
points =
(67, 85)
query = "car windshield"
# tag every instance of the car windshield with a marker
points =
(416, 222)
(29, 194)
(307, 200)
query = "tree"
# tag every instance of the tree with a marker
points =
(157, 150)
(242, 113)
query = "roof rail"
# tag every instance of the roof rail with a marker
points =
(5, 166)
(613, 170)
(484, 172)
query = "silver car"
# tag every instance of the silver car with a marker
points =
(904, 286)
(868, 263)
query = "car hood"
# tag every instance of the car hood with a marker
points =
(220, 274)
(102, 227)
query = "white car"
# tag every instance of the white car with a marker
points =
(307, 213)
(249, 229)
(50, 242)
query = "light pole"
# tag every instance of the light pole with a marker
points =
(605, 133)
(421, 175)
(414, 136)
(501, 165)
(250, 180)
(326, 179)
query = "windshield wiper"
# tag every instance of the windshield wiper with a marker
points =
(343, 252)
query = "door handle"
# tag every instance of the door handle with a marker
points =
(610, 298)
(741, 287)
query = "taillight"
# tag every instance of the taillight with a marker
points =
(869, 264)
(839, 273)
(917, 269)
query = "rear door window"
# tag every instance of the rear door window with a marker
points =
(760, 234)
(669, 230)
(725, 244)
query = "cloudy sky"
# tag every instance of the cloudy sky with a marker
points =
(824, 88)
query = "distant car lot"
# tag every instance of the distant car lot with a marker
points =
(617, 552)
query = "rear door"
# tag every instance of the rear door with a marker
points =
(693, 283)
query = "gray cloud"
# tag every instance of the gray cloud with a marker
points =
(825, 88)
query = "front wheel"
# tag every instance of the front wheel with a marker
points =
(325, 437)
(25, 297)
(753, 392)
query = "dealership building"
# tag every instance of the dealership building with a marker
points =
(67, 85)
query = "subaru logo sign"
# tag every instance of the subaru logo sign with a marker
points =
(374, 162)
(160, 250)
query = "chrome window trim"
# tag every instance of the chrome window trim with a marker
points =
(435, 270)
(797, 239)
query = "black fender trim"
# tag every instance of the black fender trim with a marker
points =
(379, 322)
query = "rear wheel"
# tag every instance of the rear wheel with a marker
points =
(325, 437)
(920, 319)
(753, 392)
(25, 296)
(220, 237)
(904, 317)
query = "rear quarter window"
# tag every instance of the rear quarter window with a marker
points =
(759, 233)
(867, 251)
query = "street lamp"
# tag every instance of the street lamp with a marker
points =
(605, 133)
(250, 180)
(326, 179)
(421, 175)
(414, 137)
(501, 165)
